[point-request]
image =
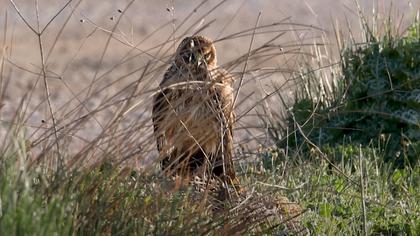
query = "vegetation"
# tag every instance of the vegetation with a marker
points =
(376, 101)
(325, 176)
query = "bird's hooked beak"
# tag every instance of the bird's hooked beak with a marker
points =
(200, 58)
(196, 56)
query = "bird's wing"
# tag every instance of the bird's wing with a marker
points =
(161, 109)
(227, 103)
(224, 97)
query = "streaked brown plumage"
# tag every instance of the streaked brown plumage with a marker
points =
(193, 113)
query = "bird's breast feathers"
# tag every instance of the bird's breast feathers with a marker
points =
(198, 114)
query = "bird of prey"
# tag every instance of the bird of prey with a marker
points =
(193, 114)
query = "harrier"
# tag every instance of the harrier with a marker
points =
(193, 114)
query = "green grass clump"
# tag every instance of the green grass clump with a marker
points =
(337, 151)
(125, 202)
(334, 197)
(107, 199)
(25, 206)
(377, 100)
(110, 199)
(101, 200)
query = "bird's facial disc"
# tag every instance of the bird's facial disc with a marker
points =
(206, 55)
(197, 53)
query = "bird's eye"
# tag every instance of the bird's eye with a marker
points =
(207, 56)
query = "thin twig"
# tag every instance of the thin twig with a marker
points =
(362, 191)
(108, 41)
(282, 187)
(47, 93)
(247, 59)
(172, 9)
(55, 16)
(23, 18)
(320, 152)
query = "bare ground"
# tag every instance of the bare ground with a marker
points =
(88, 69)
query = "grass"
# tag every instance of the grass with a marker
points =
(121, 201)
(335, 204)
(50, 184)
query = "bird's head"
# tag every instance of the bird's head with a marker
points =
(196, 50)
